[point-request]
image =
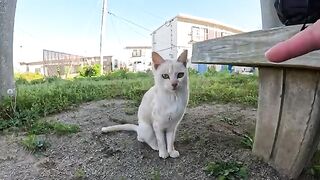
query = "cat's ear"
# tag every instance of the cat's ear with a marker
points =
(157, 60)
(183, 58)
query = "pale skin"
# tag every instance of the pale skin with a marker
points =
(303, 42)
(162, 107)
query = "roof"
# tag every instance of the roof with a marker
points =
(138, 47)
(202, 21)
(65, 61)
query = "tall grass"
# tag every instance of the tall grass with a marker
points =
(225, 88)
(35, 100)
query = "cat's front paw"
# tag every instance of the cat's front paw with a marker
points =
(164, 154)
(174, 154)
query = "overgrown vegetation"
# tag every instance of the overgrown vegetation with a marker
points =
(226, 170)
(52, 95)
(89, 71)
(35, 143)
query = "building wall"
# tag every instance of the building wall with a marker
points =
(164, 40)
(177, 35)
(138, 62)
(35, 69)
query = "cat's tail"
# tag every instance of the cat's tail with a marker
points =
(122, 127)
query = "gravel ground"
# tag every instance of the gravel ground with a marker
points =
(208, 133)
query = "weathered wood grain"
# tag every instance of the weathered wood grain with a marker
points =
(299, 127)
(247, 49)
(269, 110)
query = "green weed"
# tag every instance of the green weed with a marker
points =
(247, 141)
(34, 143)
(155, 175)
(314, 168)
(226, 170)
(79, 174)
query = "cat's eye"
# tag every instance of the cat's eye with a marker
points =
(180, 75)
(165, 76)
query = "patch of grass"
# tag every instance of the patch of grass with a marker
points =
(63, 129)
(46, 127)
(224, 88)
(226, 170)
(130, 111)
(314, 169)
(230, 121)
(185, 137)
(34, 143)
(54, 95)
(155, 175)
(79, 174)
(247, 141)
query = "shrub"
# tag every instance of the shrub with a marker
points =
(28, 76)
(192, 72)
(89, 71)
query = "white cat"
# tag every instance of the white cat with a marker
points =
(162, 106)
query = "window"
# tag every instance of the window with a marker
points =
(37, 70)
(136, 53)
(116, 63)
(198, 34)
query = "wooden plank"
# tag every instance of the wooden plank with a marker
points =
(247, 49)
(299, 125)
(269, 111)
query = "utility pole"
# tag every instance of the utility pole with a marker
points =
(7, 13)
(103, 17)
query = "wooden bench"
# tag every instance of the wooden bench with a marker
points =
(288, 118)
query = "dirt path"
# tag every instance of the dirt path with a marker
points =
(207, 133)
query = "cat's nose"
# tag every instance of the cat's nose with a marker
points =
(174, 85)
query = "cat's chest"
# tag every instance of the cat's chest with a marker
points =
(170, 108)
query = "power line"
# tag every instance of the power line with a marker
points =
(172, 46)
(116, 32)
(129, 21)
(153, 15)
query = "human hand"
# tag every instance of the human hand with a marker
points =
(303, 42)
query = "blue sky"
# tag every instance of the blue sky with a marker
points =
(73, 26)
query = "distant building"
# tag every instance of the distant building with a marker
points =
(59, 64)
(138, 58)
(180, 32)
(107, 62)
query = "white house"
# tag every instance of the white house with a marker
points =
(180, 32)
(138, 58)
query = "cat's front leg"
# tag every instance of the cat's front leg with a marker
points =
(159, 132)
(170, 134)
